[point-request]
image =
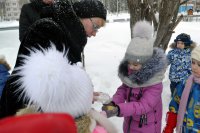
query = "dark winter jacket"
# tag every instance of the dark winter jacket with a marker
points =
(64, 29)
(30, 13)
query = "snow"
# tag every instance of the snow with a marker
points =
(9, 24)
(103, 54)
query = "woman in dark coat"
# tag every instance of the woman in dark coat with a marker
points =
(67, 28)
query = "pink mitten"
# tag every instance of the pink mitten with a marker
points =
(99, 129)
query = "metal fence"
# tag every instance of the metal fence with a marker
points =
(191, 18)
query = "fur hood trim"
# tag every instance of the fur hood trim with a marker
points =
(27, 110)
(4, 62)
(192, 46)
(152, 71)
(49, 81)
(2, 58)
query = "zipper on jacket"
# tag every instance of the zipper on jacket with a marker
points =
(143, 120)
(130, 119)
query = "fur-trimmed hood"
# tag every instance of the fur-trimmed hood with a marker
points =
(152, 71)
(192, 46)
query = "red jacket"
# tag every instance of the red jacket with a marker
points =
(38, 123)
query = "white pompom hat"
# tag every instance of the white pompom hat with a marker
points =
(51, 83)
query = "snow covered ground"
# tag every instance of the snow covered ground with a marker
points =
(103, 54)
(9, 24)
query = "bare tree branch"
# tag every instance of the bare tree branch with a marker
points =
(167, 22)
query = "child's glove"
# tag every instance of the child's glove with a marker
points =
(107, 104)
(171, 120)
(104, 98)
(111, 110)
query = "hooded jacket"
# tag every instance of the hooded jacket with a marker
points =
(61, 27)
(140, 95)
(180, 61)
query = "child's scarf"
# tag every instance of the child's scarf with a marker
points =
(184, 100)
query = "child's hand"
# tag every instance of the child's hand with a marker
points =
(111, 103)
(101, 97)
(111, 110)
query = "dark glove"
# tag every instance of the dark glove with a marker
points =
(108, 104)
(111, 110)
(171, 122)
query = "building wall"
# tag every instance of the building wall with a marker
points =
(2, 10)
(12, 10)
(185, 8)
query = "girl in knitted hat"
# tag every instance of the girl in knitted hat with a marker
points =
(141, 71)
(179, 59)
(49, 83)
(184, 108)
(4, 72)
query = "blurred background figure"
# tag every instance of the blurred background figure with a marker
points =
(4, 72)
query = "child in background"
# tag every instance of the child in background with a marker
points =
(4, 72)
(141, 71)
(179, 59)
(184, 108)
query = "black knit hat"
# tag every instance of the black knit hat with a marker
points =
(184, 38)
(89, 9)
